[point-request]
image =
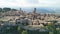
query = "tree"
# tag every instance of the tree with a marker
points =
(6, 9)
(14, 9)
(19, 28)
(0, 9)
(24, 32)
(51, 33)
(52, 27)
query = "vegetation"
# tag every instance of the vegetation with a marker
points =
(24, 32)
(5, 9)
(0, 9)
(19, 30)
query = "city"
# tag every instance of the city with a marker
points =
(29, 22)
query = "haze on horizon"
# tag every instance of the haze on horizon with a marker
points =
(52, 4)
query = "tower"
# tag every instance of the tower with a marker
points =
(20, 9)
(34, 10)
(34, 14)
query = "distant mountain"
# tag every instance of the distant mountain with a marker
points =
(57, 10)
(43, 10)
(39, 9)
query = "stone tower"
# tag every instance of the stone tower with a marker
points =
(34, 10)
(20, 9)
(34, 14)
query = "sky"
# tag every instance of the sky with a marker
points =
(30, 3)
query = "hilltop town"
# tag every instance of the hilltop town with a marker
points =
(29, 20)
(33, 17)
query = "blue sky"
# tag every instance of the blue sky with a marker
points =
(30, 3)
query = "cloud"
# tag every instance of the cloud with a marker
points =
(29, 3)
(32, 1)
(47, 3)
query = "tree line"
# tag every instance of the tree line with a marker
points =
(7, 9)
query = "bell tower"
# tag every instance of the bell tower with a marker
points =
(34, 14)
(34, 10)
(20, 9)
